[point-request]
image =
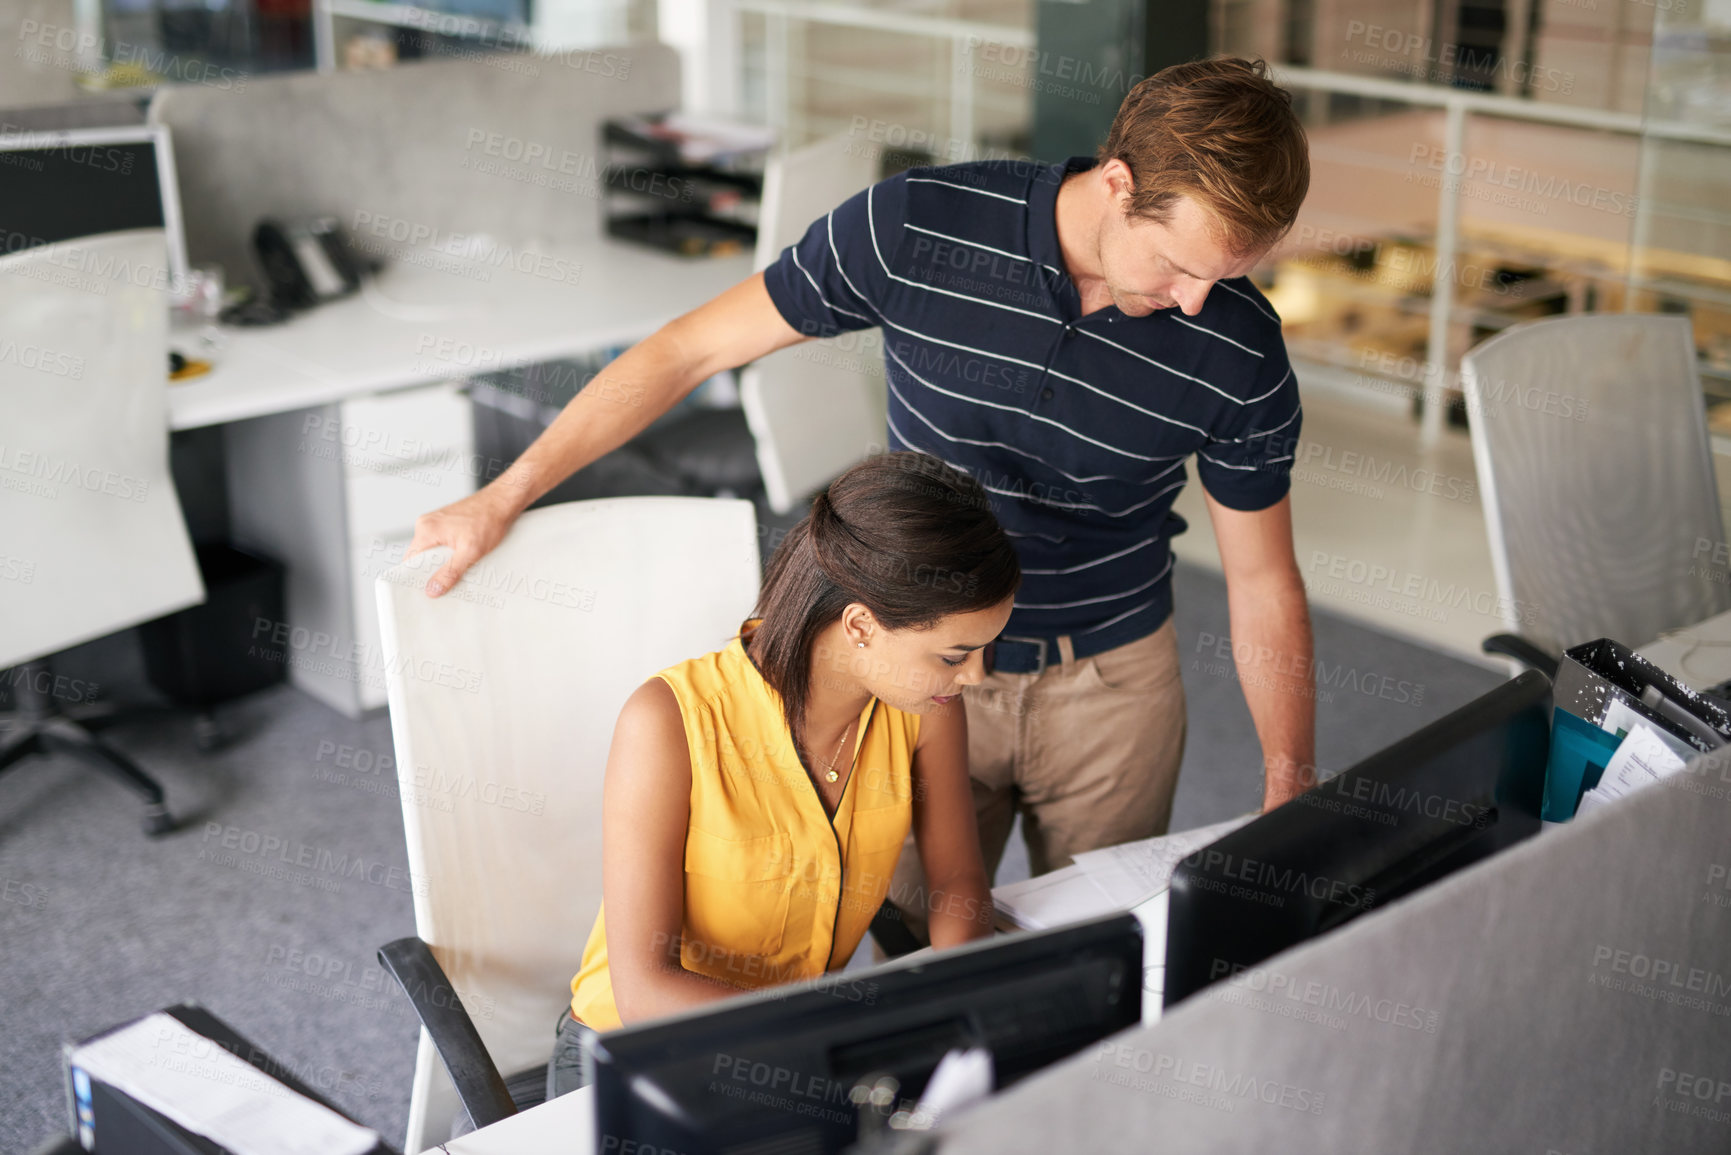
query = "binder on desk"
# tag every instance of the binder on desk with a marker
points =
(183, 1082)
(1600, 688)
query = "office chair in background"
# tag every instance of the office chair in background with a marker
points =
(1590, 440)
(816, 408)
(503, 696)
(94, 540)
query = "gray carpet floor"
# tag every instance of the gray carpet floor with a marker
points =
(99, 924)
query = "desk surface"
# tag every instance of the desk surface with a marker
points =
(567, 1124)
(1698, 656)
(442, 317)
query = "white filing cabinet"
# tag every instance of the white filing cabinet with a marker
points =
(333, 493)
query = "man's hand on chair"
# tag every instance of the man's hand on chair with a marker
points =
(472, 527)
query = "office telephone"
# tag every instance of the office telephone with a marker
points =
(307, 261)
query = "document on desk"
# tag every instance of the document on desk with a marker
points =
(177, 1072)
(1129, 873)
(1053, 899)
(1641, 759)
(1620, 719)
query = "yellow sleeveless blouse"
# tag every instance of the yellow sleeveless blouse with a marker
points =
(775, 889)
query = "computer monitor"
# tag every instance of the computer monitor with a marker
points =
(1461, 789)
(774, 1070)
(60, 185)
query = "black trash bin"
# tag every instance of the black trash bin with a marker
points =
(207, 654)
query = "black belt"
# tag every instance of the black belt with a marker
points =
(1025, 654)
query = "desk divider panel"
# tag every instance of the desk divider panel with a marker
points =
(1571, 995)
(506, 145)
(42, 60)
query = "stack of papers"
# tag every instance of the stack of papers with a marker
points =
(1644, 757)
(1051, 900)
(1069, 895)
(1152, 916)
(173, 1070)
(1134, 877)
(1130, 874)
(1120, 877)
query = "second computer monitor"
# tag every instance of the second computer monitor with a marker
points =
(1461, 789)
(64, 185)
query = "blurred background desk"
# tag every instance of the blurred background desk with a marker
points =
(320, 440)
(1699, 656)
(417, 326)
(344, 424)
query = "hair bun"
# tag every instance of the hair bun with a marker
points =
(835, 546)
(825, 520)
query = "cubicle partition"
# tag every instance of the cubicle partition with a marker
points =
(477, 182)
(1571, 995)
(502, 145)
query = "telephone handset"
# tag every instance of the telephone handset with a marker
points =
(307, 261)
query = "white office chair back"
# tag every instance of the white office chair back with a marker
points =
(1597, 477)
(818, 407)
(503, 697)
(91, 534)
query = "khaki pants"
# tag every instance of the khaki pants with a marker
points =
(1086, 750)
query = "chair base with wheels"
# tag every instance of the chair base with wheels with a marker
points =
(41, 726)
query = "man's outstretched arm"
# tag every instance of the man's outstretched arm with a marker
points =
(638, 386)
(1271, 644)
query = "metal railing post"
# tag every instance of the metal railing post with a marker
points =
(1448, 208)
(961, 100)
(777, 92)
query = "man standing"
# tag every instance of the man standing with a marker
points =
(1070, 335)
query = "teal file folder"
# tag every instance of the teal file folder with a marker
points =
(1579, 753)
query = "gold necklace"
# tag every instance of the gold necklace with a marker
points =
(832, 775)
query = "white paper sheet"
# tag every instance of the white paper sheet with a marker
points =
(176, 1071)
(1641, 759)
(1127, 874)
(963, 1078)
(1053, 899)
(1152, 916)
(1620, 718)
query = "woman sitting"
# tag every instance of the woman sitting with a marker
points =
(757, 798)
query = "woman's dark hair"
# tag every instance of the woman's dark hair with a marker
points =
(903, 534)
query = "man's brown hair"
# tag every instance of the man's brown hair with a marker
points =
(1223, 133)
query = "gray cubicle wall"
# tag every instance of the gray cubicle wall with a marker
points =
(505, 145)
(1572, 996)
(42, 58)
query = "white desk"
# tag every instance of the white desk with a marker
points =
(567, 1124)
(329, 478)
(415, 324)
(1698, 656)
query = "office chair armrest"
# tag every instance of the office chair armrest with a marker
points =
(891, 933)
(410, 961)
(1521, 650)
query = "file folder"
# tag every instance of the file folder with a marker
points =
(1602, 677)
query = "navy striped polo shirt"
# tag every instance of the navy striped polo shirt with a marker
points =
(1078, 427)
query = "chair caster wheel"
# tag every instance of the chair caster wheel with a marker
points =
(158, 821)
